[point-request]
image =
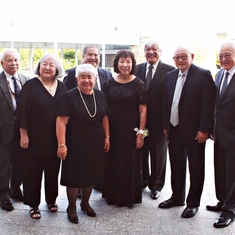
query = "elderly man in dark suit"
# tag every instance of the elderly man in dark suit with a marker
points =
(189, 97)
(155, 145)
(224, 137)
(91, 55)
(10, 85)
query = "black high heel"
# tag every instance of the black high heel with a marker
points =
(72, 219)
(89, 213)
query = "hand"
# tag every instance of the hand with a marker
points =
(106, 145)
(165, 133)
(139, 141)
(202, 137)
(62, 152)
(24, 141)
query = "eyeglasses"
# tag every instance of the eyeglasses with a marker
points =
(226, 56)
(182, 57)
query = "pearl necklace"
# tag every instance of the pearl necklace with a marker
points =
(86, 105)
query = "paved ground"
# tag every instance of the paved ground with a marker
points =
(145, 218)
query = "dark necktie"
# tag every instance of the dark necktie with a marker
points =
(149, 76)
(225, 83)
(17, 88)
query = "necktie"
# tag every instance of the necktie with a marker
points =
(149, 76)
(174, 108)
(225, 83)
(17, 88)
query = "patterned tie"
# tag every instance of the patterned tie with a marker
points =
(225, 83)
(149, 76)
(174, 108)
(17, 88)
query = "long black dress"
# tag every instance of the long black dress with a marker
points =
(84, 164)
(123, 177)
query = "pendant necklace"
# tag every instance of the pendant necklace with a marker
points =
(86, 105)
(49, 87)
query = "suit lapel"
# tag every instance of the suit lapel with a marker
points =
(157, 74)
(230, 87)
(188, 81)
(5, 89)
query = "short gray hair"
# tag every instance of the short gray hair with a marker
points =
(59, 68)
(228, 44)
(152, 42)
(88, 68)
(7, 51)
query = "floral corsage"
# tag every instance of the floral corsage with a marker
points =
(144, 132)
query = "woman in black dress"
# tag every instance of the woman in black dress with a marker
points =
(126, 97)
(83, 137)
(36, 118)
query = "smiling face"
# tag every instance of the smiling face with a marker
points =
(125, 65)
(183, 58)
(86, 82)
(152, 54)
(47, 69)
(92, 56)
(227, 56)
(10, 62)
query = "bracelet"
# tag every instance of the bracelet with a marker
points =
(107, 136)
(144, 132)
(140, 132)
(61, 145)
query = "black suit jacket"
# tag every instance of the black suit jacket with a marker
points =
(196, 105)
(70, 79)
(7, 118)
(154, 94)
(225, 113)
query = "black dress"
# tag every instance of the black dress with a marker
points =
(84, 164)
(123, 177)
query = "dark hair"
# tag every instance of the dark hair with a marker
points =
(90, 46)
(124, 53)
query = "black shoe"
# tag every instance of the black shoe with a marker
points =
(89, 213)
(7, 205)
(72, 219)
(222, 222)
(170, 203)
(215, 208)
(189, 212)
(155, 194)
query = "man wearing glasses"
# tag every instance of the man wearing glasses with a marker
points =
(224, 137)
(10, 160)
(189, 96)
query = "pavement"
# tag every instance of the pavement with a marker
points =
(145, 218)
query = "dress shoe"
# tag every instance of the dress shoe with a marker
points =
(215, 208)
(189, 212)
(7, 205)
(89, 213)
(155, 194)
(222, 222)
(170, 203)
(72, 219)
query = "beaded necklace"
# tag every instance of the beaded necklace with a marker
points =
(86, 105)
